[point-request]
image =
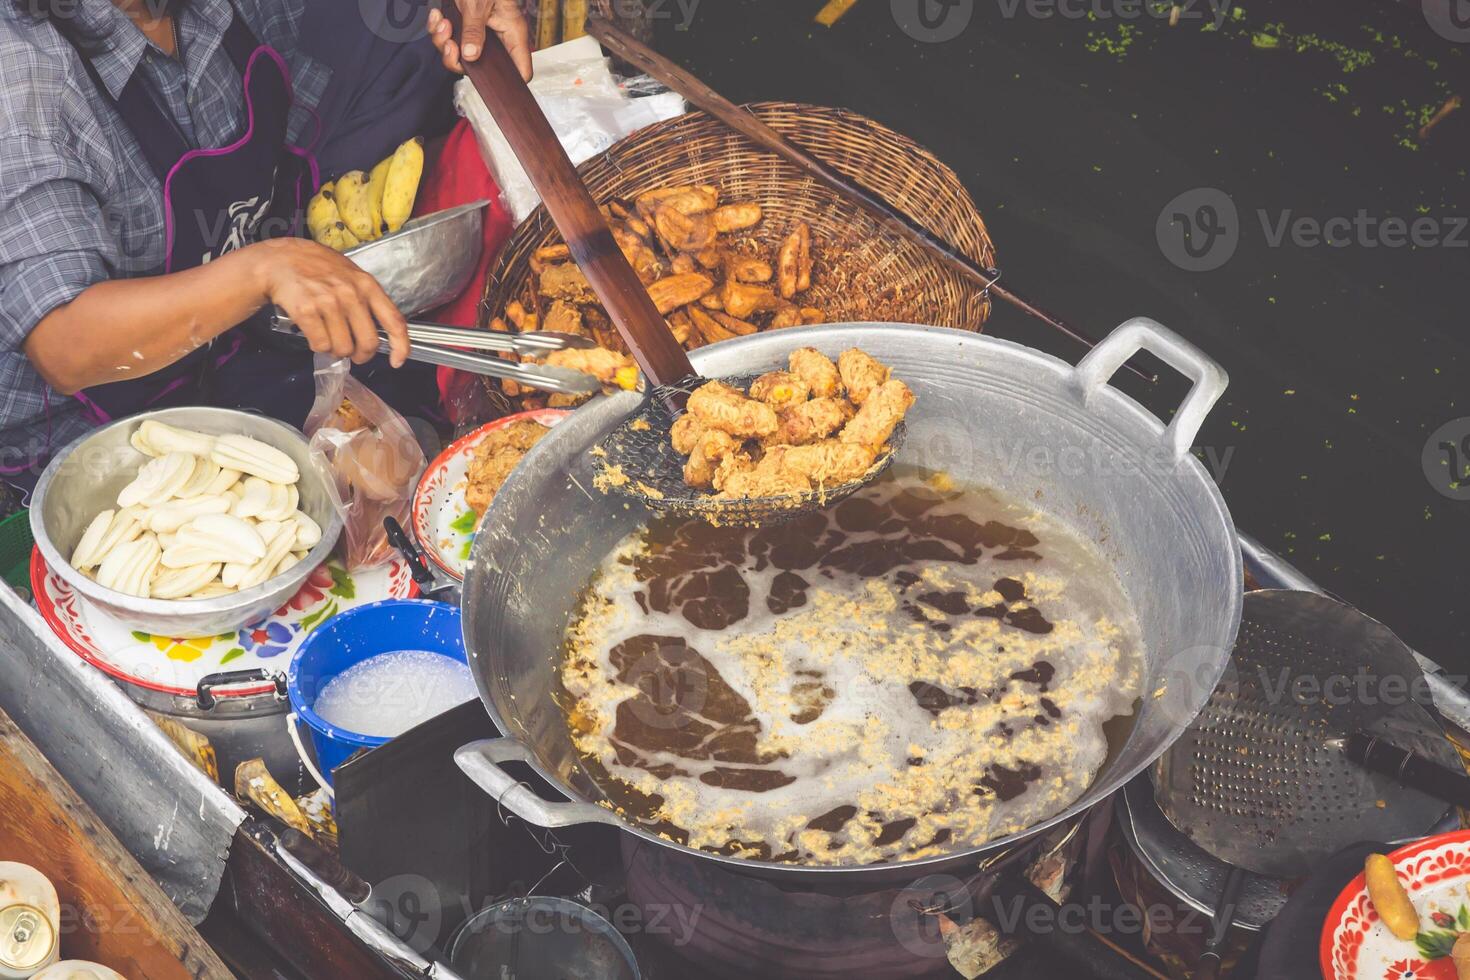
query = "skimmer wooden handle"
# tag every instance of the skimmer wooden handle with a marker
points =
(573, 210)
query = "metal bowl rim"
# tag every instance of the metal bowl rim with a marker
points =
(421, 223)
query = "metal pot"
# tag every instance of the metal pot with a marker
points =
(989, 412)
(243, 714)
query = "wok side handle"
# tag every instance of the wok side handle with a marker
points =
(1210, 380)
(481, 762)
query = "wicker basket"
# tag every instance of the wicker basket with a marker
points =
(863, 271)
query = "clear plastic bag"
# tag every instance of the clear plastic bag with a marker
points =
(373, 457)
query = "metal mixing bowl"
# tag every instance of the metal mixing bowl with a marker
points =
(84, 479)
(430, 260)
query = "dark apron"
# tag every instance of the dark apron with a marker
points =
(218, 200)
(214, 201)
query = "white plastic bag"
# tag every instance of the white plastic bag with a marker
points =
(372, 455)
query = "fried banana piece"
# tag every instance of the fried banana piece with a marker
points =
(829, 462)
(768, 478)
(789, 315)
(554, 253)
(718, 406)
(566, 282)
(681, 327)
(601, 363)
(684, 232)
(564, 317)
(741, 299)
(861, 373)
(731, 467)
(683, 263)
(811, 421)
(748, 269)
(684, 434)
(716, 445)
(793, 260)
(737, 217)
(708, 327)
(688, 200)
(699, 472)
(884, 408)
(737, 326)
(780, 389)
(676, 291)
(817, 370)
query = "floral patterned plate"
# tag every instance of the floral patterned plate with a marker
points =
(442, 522)
(1356, 945)
(175, 666)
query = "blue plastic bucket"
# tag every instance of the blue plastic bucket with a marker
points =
(348, 639)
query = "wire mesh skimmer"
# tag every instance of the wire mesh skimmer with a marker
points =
(640, 463)
(1259, 779)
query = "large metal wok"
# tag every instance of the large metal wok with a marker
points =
(989, 412)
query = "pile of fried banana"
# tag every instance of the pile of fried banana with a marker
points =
(815, 425)
(703, 268)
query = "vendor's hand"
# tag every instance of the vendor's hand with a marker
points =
(332, 301)
(504, 17)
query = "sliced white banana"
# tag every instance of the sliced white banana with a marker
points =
(205, 471)
(158, 480)
(176, 583)
(308, 531)
(226, 480)
(141, 444)
(289, 562)
(167, 540)
(167, 439)
(280, 547)
(124, 527)
(237, 538)
(176, 513)
(234, 573)
(211, 590)
(255, 498)
(130, 566)
(88, 550)
(252, 456)
(281, 505)
(183, 554)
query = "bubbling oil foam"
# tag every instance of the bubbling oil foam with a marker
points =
(916, 670)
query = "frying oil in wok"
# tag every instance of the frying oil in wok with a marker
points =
(918, 669)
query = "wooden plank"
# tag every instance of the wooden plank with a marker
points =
(112, 912)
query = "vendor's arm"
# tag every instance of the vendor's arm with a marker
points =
(504, 17)
(119, 329)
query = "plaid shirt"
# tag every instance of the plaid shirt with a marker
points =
(78, 201)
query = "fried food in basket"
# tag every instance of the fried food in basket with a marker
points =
(718, 406)
(861, 374)
(495, 457)
(706, 263)
(777, 439)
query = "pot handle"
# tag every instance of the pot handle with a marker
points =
(481, 762)
(1210, 380)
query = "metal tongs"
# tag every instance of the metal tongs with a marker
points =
(435, 343)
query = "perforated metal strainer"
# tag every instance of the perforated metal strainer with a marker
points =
(1254, 781)
(640, 459)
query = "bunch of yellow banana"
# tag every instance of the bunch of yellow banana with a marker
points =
(363, 207)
